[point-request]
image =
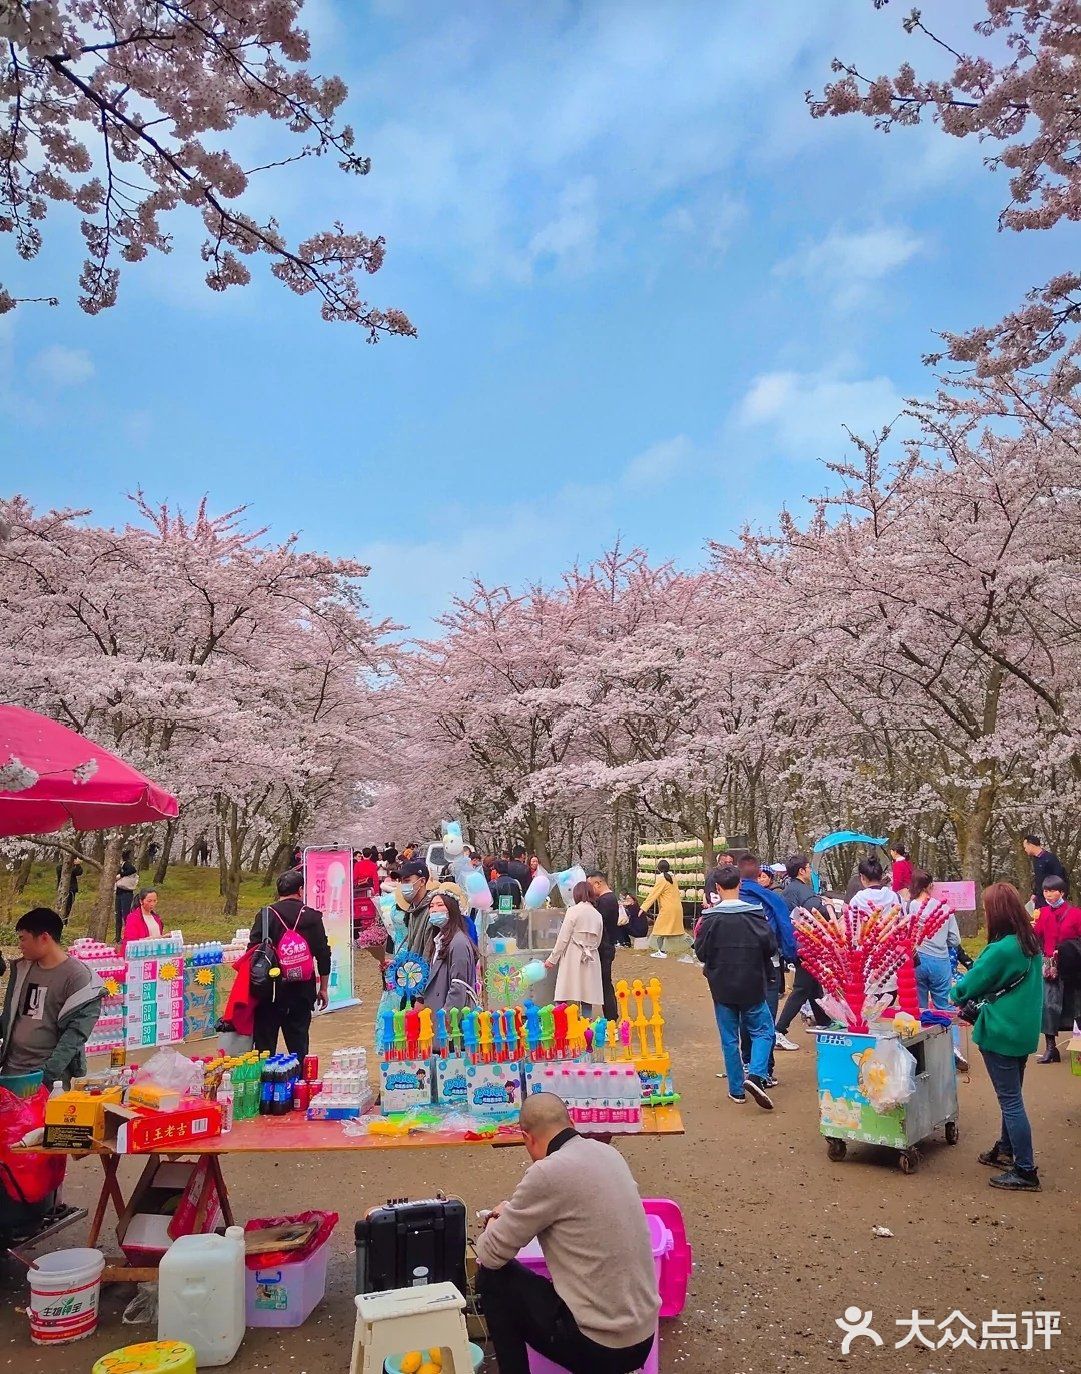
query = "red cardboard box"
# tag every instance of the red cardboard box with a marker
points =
(145, 1132)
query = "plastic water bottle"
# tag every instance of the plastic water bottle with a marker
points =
(633, 1098)
(225, 1101)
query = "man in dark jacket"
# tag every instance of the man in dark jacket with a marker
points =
(518, 866)
(756, 887)
(798, 892)
(736, 947)
(288, 1007)
(1044, 865)
(607, 903)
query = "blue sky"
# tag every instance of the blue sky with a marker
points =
(650, 292)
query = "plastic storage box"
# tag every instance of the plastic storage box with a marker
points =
(662, 1243)
(288, 1294)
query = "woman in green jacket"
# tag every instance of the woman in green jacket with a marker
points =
(1007, 983)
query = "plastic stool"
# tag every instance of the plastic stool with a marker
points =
(149, 1357)
(410, 1319)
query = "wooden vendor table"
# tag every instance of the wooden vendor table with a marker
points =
(292, 1134)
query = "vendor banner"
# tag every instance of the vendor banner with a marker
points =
(328, 886)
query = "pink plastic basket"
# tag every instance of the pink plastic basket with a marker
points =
(662, 1241)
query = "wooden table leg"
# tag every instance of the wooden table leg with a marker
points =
(223, 1192)
(110, 1192)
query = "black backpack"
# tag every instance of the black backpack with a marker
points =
(263, 960)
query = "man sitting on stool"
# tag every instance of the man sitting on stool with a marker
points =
(579, 1199)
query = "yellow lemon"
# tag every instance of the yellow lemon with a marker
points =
(412, 1362)
(436, 1356)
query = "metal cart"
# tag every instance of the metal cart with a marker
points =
(845, 1114)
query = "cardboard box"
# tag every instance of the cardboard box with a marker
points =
(1074, 1048)
(405, 1084)
(451, 1085)
(172, 1198)
(494, 1089)
(75, 1120)
(138, 1131)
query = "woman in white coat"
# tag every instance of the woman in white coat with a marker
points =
(579, 976)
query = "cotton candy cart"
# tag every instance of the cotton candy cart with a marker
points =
(845, 1112)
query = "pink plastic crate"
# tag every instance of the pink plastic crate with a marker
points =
(660, 1239)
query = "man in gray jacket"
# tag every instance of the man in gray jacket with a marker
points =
(598, 1313)
(52, 1004)
(798, 892)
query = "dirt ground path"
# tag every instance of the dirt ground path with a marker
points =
(783, 1238)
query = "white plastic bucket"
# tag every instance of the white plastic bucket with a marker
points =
(64, 1291)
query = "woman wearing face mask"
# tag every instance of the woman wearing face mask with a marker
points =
(454, 961)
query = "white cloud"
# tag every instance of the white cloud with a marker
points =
(848, 264)
(807, 412)
(61, 366)
(658, 464)
(569, 239)
(519, 109)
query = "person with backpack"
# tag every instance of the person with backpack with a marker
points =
(289, 970)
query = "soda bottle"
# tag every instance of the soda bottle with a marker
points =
(266, 1088)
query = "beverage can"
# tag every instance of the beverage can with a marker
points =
(311, 1067)
(302, 1095)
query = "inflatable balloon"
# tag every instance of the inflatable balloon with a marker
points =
(453, 845)
(536, 894)
(533, 972)
(477, 890)
(568, 881)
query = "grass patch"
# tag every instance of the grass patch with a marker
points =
(188, 900)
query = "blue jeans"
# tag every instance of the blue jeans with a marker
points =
(1007, 1075)
(759, 1023)
(934, 978)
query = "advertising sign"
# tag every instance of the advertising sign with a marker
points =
(328, 886)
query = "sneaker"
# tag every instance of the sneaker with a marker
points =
(783, 1043)
(1050, 1056)
(1016, 1180)
(658, 954)
(757, 1088)
(772, 1082)
(686, 959)
(995, 1159)
(737, 1098)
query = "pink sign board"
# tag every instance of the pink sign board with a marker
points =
(961, 896)
(328, 886)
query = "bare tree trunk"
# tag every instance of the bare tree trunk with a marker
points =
(166, 852)
(22, 872)
(103, 918)
(67, 863)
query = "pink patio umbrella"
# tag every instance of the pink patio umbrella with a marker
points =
(50, 775)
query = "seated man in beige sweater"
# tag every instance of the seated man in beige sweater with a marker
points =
(579, 1199)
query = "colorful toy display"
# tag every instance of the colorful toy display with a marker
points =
(483, 1060)
(855, 954)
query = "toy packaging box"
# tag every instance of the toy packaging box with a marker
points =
(493, 1089)
(405, 1084)
(451, 1084)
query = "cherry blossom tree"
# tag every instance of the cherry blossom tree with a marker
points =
(1018, 92)
(237, 671)
(122, 109)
